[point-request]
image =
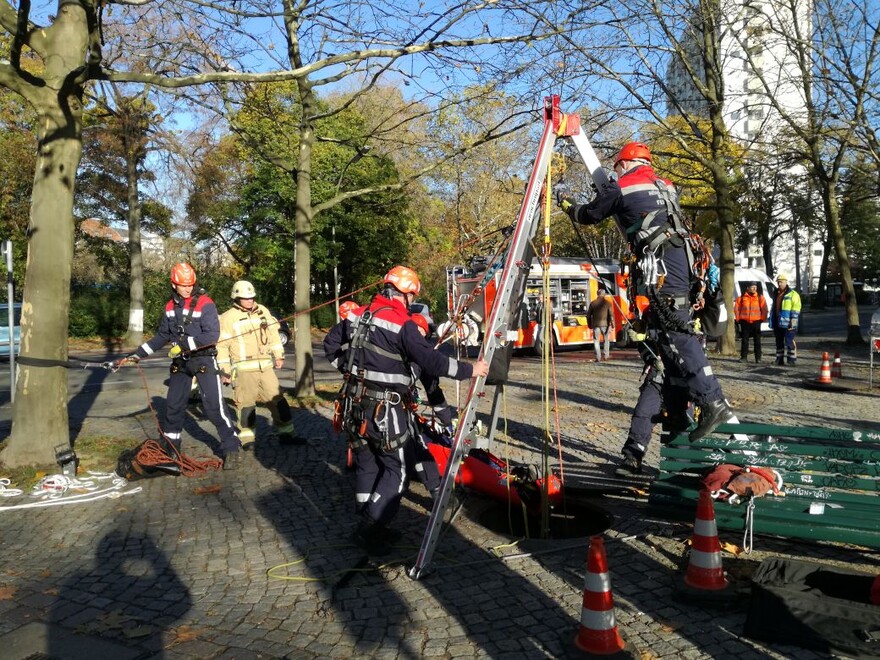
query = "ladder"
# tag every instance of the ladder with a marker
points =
(501, 327)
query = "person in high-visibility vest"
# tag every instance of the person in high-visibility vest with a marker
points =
(750, 311)
(784, 318)
(248, 353)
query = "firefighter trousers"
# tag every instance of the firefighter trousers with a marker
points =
(260, 387)
(206, 373)
(380, 480)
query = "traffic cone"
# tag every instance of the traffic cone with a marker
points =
(598, 634)
(825, 372)
(704, 570)
(836, 367)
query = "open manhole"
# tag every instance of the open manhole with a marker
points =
(566, 521)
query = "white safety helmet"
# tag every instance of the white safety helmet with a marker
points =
(243, 289)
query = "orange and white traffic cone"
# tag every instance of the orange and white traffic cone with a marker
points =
(598, 634)
(825, 371)
(704, 570)
(836, 371)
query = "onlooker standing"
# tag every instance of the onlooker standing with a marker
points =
(250, 351)
(784, 320)
(750, 311)
(192, 325)
(600, 319)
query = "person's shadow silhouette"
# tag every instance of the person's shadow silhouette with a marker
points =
(140, 593)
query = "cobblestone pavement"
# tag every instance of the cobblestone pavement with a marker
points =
(256, 563)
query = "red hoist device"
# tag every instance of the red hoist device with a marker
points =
(502, 324)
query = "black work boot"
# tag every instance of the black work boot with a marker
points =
(631, 465)
(711, 415)
(232, 460)
(372, 538)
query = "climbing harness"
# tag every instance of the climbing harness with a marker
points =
(357, 404)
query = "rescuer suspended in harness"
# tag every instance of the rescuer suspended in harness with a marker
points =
(668, 261)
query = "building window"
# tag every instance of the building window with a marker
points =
(817, 252)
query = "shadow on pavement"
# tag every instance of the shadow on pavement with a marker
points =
(130, 593)
(381, 609)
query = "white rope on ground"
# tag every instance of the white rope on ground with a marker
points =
(56, 489)
(5, 491)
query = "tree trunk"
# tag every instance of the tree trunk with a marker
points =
(835, 236)
(39, 416)
(135, 335)
(304, 377)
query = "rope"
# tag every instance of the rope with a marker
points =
(71, 363)
(184, 354)
(152, 453)
(58, 489)
(5, 491)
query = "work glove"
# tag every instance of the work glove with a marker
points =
(175, 352)
(134, 358)
(634, 336)
(565, 202)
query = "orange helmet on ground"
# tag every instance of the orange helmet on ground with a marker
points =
(422, 322)
(183, 274)
(347, 308)
(633, 151)
(404, 280)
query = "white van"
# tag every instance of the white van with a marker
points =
(766, 288)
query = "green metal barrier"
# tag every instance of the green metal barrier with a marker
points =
(837, 471)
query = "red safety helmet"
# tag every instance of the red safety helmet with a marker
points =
(347, 308)
(422, 322)
(404, 280)
(183, 274)
(633, 151)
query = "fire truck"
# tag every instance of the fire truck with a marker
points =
(573, 283)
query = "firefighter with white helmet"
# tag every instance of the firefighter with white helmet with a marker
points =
(191, 324)
(249, 352)
(376, 348)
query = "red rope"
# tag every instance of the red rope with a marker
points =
(152, 453)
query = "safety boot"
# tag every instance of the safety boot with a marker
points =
(631, 465)
(711, 415)
(372, 538)
(232, 460)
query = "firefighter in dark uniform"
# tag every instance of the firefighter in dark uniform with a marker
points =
(191, 324)
(642, 210)
(374, 349)
(417, 456)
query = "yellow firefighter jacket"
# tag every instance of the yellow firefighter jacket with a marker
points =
(249, 340)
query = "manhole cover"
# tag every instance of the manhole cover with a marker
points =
(565, 522)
